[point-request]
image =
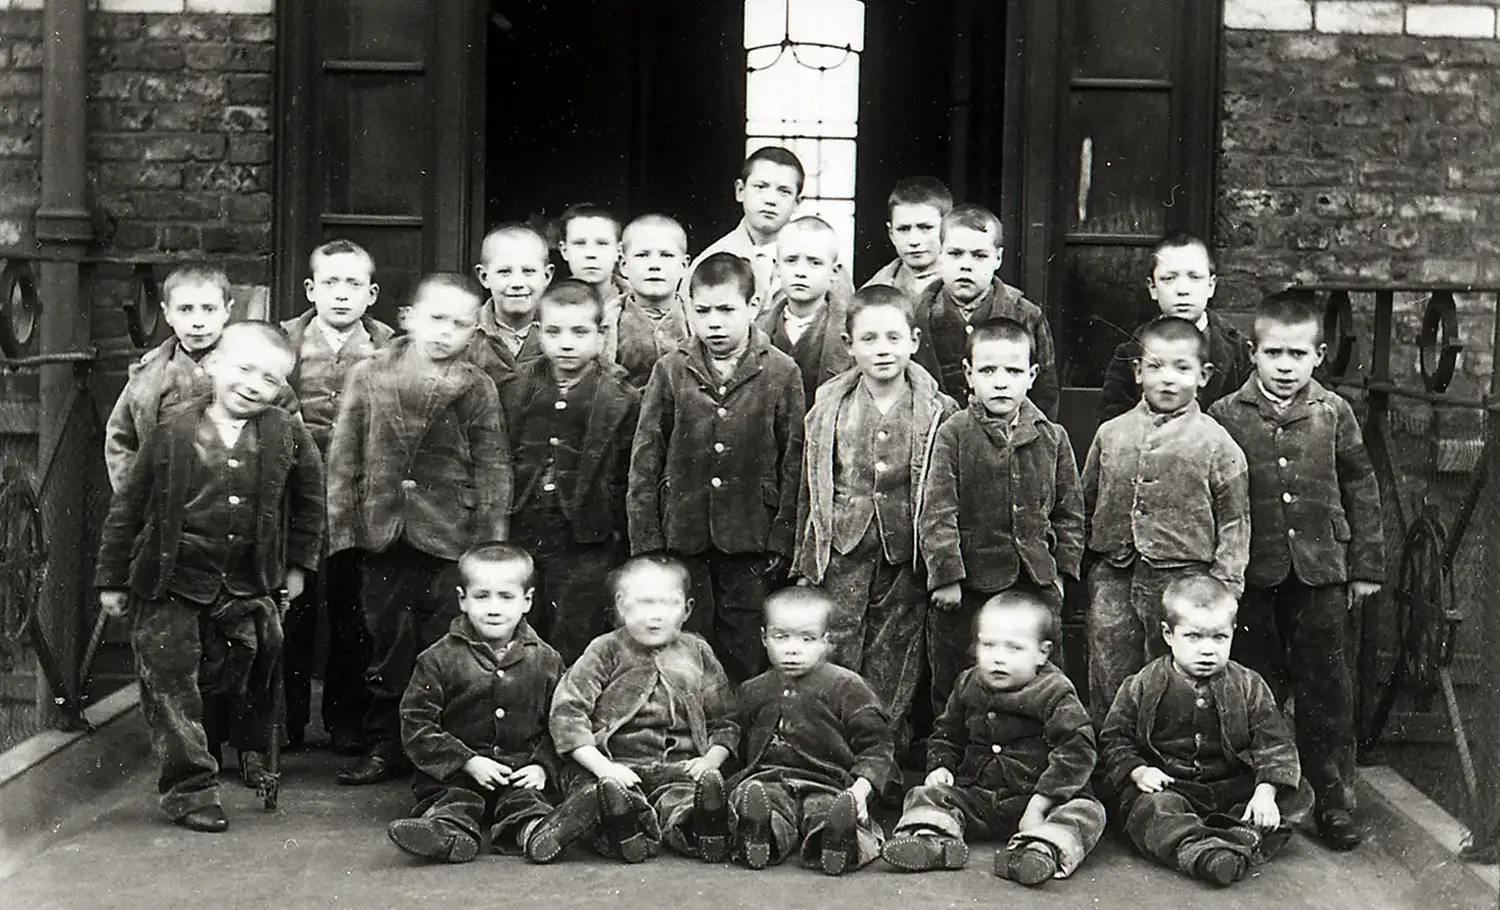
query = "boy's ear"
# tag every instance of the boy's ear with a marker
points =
(479, 272)
(374, 292)
(1047, 649)
(848, 340)
(755, 304)
(1208, 372)
(688, 604)
(549, 270)
(739, 190)
(530, 599)
(307, 288)
(1036, 368)
(1322, 353)
(916, 338)
(1166, 630)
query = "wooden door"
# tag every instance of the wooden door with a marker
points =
(378, 118)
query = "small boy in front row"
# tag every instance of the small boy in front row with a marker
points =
(474, 718)
(1203, 763)
(571, 421)
(1167, 494)
(223, 508)
(1002, 504)
(645, 719)
(1317, 548)
(818, 748)
(1009, 758)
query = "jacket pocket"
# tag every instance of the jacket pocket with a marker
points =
(1341, 531)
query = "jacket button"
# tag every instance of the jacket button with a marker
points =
(234, 500)
(786, 692)
(554, 441)
(1291, 532)
(723, 390)
(716, 483)
(561, 406)
(233, 462)
(408, 484)
(549, 487)
(1281, 461)
(1286, 497)
(990, 715)
(969, 330)
(722, 412)
(882, 435)
(500, 674)
(1203, 703)
(719, 447)
(499, 713)
(879, 467)
(995, 748)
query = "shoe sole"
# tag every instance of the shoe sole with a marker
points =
(711, 818)
(421, 840)
(839, 837)
(1020, 867)
(913, 854)
(755, 826)
(617, 818)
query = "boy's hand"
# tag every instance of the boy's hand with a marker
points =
(1036, 813)
(948, 597)
(861, 790)
(114, 603)
(1361, 591)
(296, 583)
(1262, 811)
(620, 774)
(1150, 780)
(487, 772)
(939, 777)
(712, 760)
(531, 777)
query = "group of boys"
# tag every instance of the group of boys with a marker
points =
(746, 506)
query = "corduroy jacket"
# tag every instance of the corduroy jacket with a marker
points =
(320, 408)
(1228, 351)
(820, 354)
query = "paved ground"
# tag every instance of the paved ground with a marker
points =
(327, 849)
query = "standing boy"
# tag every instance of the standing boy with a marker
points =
(652, 313)
(769, 189)
(571, 421)
(817, 748)
(1202, 761)
(718, 455)
(1002, 503)
(969, 294)
(1182, 282)
(806, 320)
(588, 239)
(915, 209)
(474, 718)
(223, 509)
(869, 441)
(1167, 495)
(514, 267)
(1317, 548)
(418, 472)
(330, 339)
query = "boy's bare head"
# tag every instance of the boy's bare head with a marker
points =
(441, 318)
(1001, 366)
(195, 301)
(1173, 364)
(496, 588)
(653, 257)
(571, 319)
(588, 239)
(769, 188)
(722, 304)
(1288, 342)
(1014, 634)
(495, 553)
(342, 285)
(651, 598)
(644, 229)
(249, 367)
(807, 254)
(1198, 614)
(514, 267)
(1182, 279)
(880, 334)
(972, 245)
(915, 211)
(796, 629)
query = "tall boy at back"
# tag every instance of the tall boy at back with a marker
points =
(915, 212)
(718, 453)
(652, 314)
(1167, 495)
(571, 421)
(418, 471)
(330, 338)
(969, 294)
(1317, 547)
(806, 319)
(868, 445)
(223, 508)
(515, 268)
(1002, 504)
(1182, 282)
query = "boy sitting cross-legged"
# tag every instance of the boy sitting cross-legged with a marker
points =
(818, 747)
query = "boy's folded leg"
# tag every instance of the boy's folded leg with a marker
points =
(576, 816)
(753, 836)
(710, 820)
(840, 841)
(620, 823)
(431, 838)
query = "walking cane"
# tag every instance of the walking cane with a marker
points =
(269, 788)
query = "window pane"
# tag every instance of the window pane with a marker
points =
(838, 22)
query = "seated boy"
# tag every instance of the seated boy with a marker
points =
(1182, 282)
(1202, 761)
(588, 239)
(969, 294)
(1009, 758)
(571, 421)
(223, 509)
(652, 314)
(645, 719)
(717, 461)
(474, 718)
(868, 446)
(1002, 504)
(817, 748)
(1167, 494)
(806, 319)
(915, 208)
(515, 268)
(330, 339)
(1317, 547)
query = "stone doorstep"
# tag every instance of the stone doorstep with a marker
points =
(1424, 838)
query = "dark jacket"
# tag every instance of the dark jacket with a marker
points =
(492, 355)
(994, 506)
(815, 508)
(1036, 739)
(608, 685)
(1255, 735)
(1314, 499)
(321, 406)
(1228, 351)
(830, 719)
(465, 700)
(142, 534)
(636, 342)
(595, 506)
(439, 480)
(820, 354)
(717, 463)
(944, 339)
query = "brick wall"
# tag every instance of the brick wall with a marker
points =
(20, 120)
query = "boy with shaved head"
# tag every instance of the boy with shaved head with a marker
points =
(515, 268)
(650, 318)
(806, 319)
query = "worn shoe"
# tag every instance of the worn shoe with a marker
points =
(1030, 864)
(433, 840)
(374, 769)
(548, 838)
(841, 836)
(209, 820)
(252, 768)
(710, 819)
(754, 831)
(1221, 868)
(348, 743)
(1336, 828)
(618, 821)
(925, 852)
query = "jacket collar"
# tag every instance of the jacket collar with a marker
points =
(521, 640)
(1024, 430)
(1250, 395)
(749, 366)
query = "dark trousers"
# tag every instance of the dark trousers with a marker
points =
(1124, 625)
(729, 591)
(1294, 635)
(1071, 829)
(463, 804)
(663, 805)
(410, 598)
(799, 813)
(1177, 826)
(299, 652)
(950, 640)
(344, 697)
(572, 603)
